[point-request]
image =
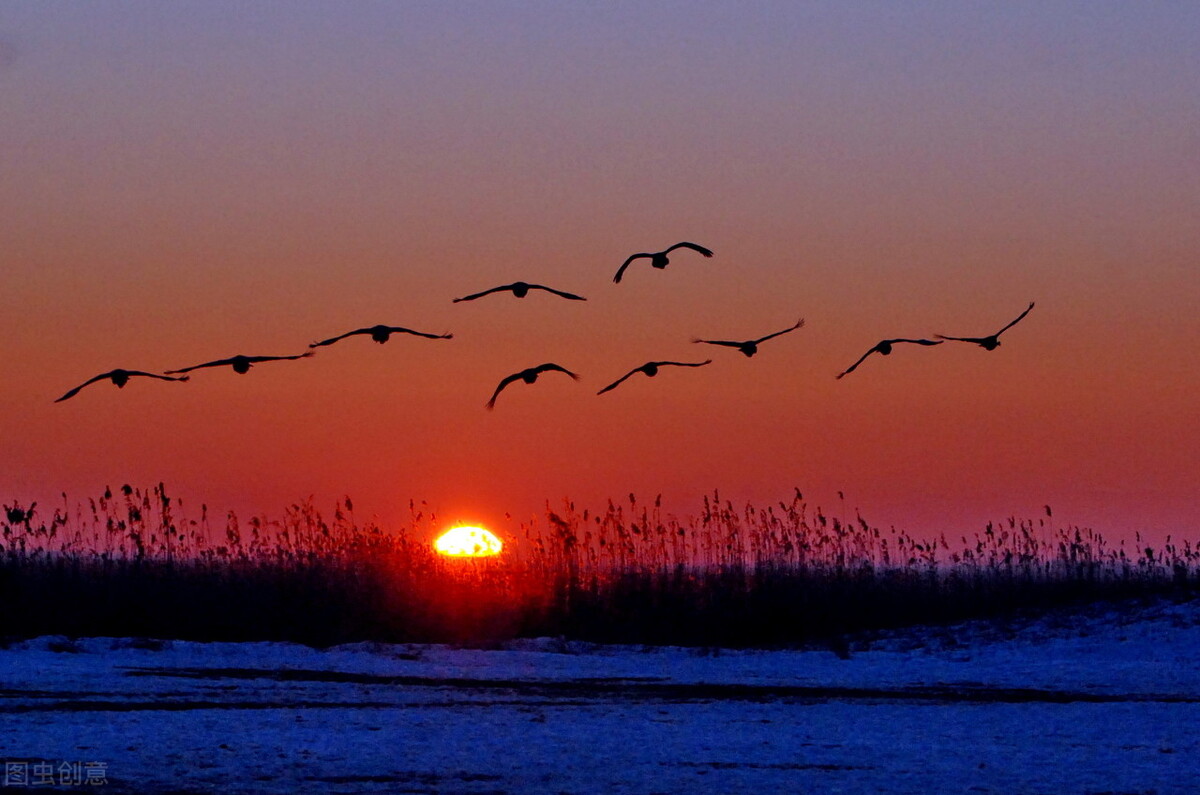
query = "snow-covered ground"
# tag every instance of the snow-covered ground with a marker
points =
(1102, 702)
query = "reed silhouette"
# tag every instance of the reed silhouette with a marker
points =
(520, 290)
(240, 364)
(135, 563)
(884, 348)
(119, 377)
(992, 341)
(750, 347)
(381, 334)
(658, 259)
(528, 376)
(651, 370)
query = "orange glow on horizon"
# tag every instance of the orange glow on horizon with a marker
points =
(468, 542)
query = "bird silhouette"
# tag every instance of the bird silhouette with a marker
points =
(520, 290)
(118, 377)
(992, 341)
(750, 347)
(528, 376)
(380, 334)
(884, 348)
(651, 369)
(658, 259)
(239, 363)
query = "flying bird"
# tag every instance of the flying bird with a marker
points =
(990, 342)
(520, 290)
(659, 259)
(651, 369)
(380, 334)
(528, 376)
(240, 364)
(118, 377)
(884, 348)
(750, 347)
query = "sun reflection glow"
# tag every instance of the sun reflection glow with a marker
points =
(468, 542)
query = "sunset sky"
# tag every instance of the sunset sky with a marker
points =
(182, 182)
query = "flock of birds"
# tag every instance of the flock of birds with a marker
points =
(658, 259)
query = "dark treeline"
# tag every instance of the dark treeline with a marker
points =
(133, 565)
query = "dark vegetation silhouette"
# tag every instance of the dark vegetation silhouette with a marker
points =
(658, 259)
(381, 334)
(520, 290)
(750, 347)
(118, 377)
(528, 376)
(992, 341)
(884, 348)
(651, 369)
(134, 564)
(240, 364)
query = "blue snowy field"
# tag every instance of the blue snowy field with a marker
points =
(1102, 700)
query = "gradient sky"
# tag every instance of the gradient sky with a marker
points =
(181, 182)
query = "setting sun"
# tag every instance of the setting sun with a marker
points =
(468, 542)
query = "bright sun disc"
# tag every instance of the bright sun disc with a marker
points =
(468, 542)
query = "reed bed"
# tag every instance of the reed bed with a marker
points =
(133, 563)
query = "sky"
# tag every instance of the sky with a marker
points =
(183, 182)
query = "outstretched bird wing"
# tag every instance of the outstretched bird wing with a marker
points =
(156, 375)
(332, 340)
(402, 330)
(257, 359)
(617, 383)
(854, 366)
(706, 252)
(976, 340)
(914, 342)
(727, 343)
(216, 363)
(621, 270)
(491, 404)
(570, 296)
(683, 364)
(473, 296)
(91, 380)
(541, 368)
(798, 324)
(1015, 322)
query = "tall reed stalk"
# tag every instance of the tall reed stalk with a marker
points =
(132, 563)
